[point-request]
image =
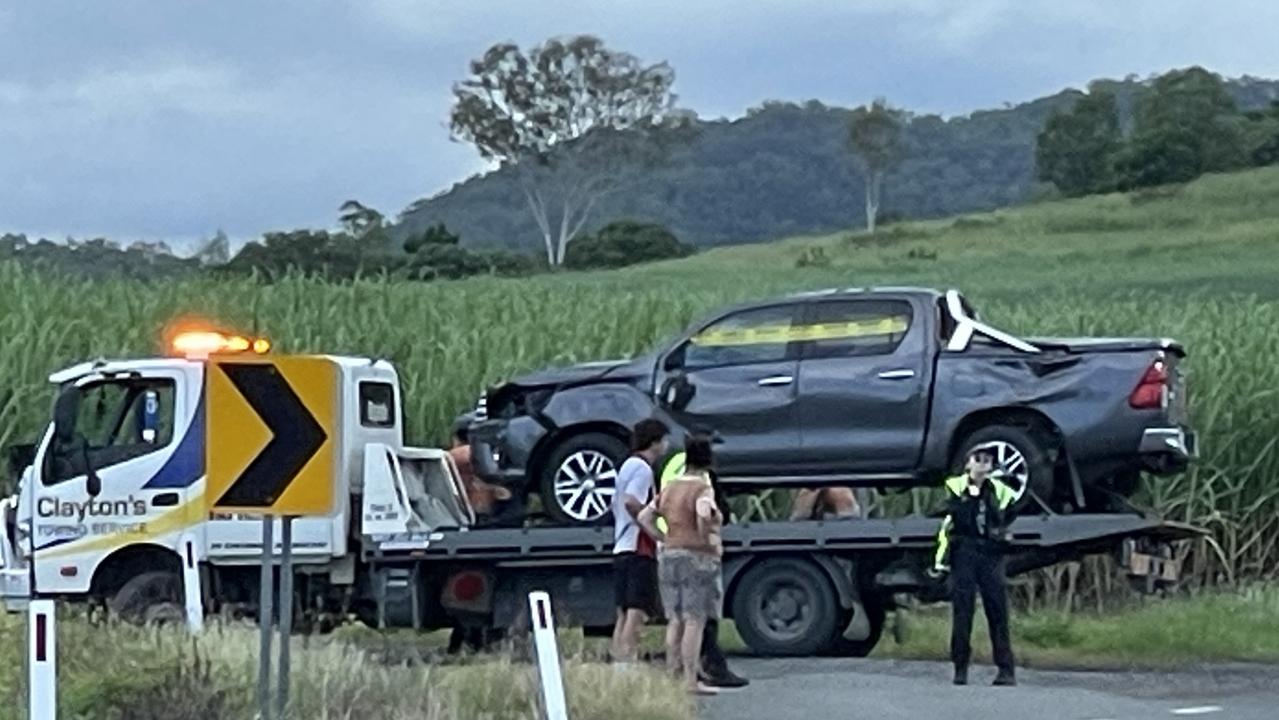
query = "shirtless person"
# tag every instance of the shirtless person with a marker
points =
(689, 571)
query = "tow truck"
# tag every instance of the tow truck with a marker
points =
(115, 489)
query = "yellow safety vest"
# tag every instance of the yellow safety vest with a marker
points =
(955, 486)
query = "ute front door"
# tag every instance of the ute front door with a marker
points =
(736, 376)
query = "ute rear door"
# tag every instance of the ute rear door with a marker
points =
(863, 381)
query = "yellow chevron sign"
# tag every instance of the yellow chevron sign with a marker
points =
(272, 435)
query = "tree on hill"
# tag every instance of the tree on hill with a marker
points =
(572, 117)
(1186, 124)
(1077, 148)
(875, 134)
(1262, 135)
(216, 251)
(435, 235)
(622, 243)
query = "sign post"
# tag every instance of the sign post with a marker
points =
(272, 453)
(266, 613)
(286, 610)
(42, 659)
(548, 657)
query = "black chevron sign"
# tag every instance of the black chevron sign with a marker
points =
(296, 436)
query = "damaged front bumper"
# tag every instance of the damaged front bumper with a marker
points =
(501, 449)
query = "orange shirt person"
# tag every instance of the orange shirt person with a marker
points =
(481, 495)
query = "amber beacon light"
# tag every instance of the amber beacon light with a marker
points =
(200, 344)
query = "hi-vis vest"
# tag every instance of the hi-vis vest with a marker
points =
(955, 487)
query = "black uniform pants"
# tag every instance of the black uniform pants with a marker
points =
(714, 663)
(976, 567)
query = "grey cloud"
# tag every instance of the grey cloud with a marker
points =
(138, 119)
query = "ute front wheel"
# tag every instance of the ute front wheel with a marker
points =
(580, 477)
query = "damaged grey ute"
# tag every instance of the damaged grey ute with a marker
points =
(884, 388)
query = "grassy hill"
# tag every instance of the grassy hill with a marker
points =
(785, 169)
(1197, 263)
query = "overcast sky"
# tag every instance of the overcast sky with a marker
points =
(168, 119)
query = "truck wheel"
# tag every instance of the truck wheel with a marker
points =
(579, 478)
(875, 617)
(786, 607)
(152, 598)
(1020, 455)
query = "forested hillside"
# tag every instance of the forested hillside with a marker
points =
(786, 169)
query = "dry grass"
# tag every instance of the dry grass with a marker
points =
(120, 672)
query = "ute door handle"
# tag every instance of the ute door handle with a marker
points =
(776, 380)
(902, 374)
(166, 499)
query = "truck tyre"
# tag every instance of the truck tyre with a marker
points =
(786, 606)
(875, 617)
(152, 598)
(579, 478)
(1021, 455)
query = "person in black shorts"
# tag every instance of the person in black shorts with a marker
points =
(634, 552)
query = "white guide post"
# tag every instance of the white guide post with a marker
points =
(548, 656)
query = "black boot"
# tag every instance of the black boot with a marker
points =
(961, 675)
(1005, 678)
(723, 678)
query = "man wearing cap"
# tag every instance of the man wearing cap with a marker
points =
(970, 546)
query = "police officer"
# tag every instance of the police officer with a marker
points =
(970, 545)
(715, 671)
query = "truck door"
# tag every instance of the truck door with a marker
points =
(862, 397)
(116, 468)
(737, 376)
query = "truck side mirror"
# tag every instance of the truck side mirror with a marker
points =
(20, 458)
(92, 483)
(65, 410)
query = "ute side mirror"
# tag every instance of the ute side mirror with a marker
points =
(677, 392)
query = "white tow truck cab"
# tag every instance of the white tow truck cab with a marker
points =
(117, 483)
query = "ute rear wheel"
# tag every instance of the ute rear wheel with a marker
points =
(786, 607)
(152, 598)
(1022, 457)
(580, 477)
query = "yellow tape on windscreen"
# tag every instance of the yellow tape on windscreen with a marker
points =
(778, 334)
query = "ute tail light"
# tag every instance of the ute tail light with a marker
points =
(1152, 392)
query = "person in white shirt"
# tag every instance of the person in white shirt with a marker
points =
(634, 552)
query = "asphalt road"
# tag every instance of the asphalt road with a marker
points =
(825, 689)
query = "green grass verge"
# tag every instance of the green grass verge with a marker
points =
(1157, 633)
